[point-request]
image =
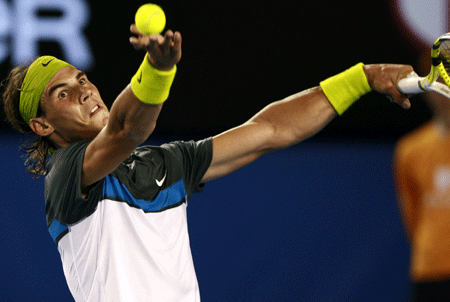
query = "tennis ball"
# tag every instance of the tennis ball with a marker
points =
(150, 19)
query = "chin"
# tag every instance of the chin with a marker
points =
(105, 120)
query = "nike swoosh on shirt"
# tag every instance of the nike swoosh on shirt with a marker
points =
(139, 79)
(160, 182)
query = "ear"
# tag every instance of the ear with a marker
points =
(41, 127)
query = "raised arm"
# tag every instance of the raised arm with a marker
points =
(131, 120)
(291, 120)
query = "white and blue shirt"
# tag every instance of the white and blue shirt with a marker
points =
(128, 239)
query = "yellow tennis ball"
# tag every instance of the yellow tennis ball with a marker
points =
(150, 19)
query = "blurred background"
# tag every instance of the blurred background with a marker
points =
(315, 222)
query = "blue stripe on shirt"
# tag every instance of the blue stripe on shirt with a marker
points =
(113, 189)
(167, 198)
(56, 229)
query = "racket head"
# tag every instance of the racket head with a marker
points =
(444, 57)
(440, 61)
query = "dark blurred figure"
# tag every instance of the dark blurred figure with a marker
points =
(422, 178)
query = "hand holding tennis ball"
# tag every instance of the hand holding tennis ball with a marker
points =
(150, 19)
(163, 51)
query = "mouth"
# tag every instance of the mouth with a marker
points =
(95, 109)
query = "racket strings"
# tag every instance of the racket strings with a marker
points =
(445, 54)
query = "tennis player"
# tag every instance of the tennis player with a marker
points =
(116, 211)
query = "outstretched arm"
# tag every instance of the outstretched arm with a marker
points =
(291, 120)
(131, 120)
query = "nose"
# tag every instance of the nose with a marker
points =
(85, 93)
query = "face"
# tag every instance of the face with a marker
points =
(73, 107)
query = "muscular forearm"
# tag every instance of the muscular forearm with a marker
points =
(132, 118)
(137, 108)
(296, 117)
(302, 115)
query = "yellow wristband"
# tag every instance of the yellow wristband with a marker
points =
(343, 89)
(150, 85)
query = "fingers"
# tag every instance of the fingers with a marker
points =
(403, 101)
(134, 30)
(384, 78)
(137, 42)
(172, 42)
(168, 42)
(395, 96)
(143, 41)
(177, 41)
(400, 99)
(164, 51)
(406, 104)
(153, 46)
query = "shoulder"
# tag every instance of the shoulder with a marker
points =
(63, 196)
(184, 150)
(64, 156)
(188, 145)
(65, 168)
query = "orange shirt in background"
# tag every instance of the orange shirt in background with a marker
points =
(422, 178)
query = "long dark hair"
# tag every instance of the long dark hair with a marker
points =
(35, 149)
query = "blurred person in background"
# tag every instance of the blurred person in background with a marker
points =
(422, 179)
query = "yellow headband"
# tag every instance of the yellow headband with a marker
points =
(38, 75)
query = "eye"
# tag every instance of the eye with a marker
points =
(62, 95)
(82, 81)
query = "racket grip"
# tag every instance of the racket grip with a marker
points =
(410, 85)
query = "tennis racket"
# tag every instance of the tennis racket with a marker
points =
(440, 66)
